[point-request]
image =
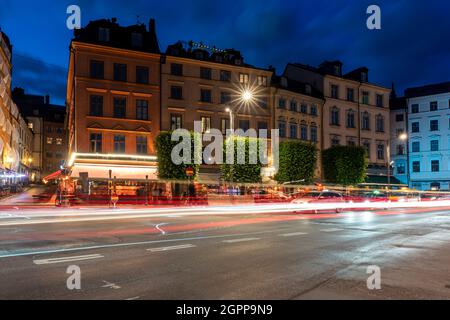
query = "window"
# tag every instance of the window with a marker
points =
(142, 109)
(205, 95)
(351, 142)
(334, 116)
(434, 125)
(434, 165)
(415, 127)
(49, 140)
(96, 70)
(293, 105)
(48, 154)
(350, 95)
(416, 166)
(141, 145)
(175, 121)
(120, 72)
(335, 141)
(366, 145)
(120, 107)
(399, 118)
(96, 106)
(119, 144)
(380, 100)
(365, 97)
(262, 102)
(380, 152)
(365, 125)
(433, 106)
(401, 168)
(282, 103)
(303, 108)
(58, 141)
(206, 124)
(415, 146)
(205, 73)
(49, 129)
(225, 97)
(262, 81)
(103, 34)
(313, 110)
(282, 129)
(58, 155)
(136, 39)
(304, 132)
(334, 91)
(176, 92)
(244, 125)
(142, 75)
(434, 145)
(350, 119)
(225, 75)
(400, 149)
(262, 125)
(313, 134)
(95, 143)
(176, 69)
(243, 78)
(224, 125)
(415, 108)
(59, 130)
(293, 131)
(380, 123)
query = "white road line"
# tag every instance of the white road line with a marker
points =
(68, 259)
(240, 240)
(111, 285)
(134, 298)
(331, 230)
(158, 226)
(182, 246)
(293, 234)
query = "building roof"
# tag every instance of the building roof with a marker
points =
(135, 37)
(428, 90)
(285, 83)
(397, 103)
(38, 106)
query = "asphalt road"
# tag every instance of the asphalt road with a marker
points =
(227, 256)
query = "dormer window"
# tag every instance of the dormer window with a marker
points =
(284, 82)
(136, 39)
(199, 55)
(308, 89)
(103, 34)
(219, 58)
(238, 62)
(337, 70)
(363, 76)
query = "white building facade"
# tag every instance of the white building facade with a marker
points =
(429, 136)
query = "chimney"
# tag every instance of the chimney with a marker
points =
(152, 26)
(47, 99)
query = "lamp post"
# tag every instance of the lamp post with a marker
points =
(401, 137)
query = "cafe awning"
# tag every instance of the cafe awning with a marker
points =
(52, 176)
(125, 172)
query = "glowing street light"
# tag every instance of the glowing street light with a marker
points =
(247, 96)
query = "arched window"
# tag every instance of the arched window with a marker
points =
(293, 106)
(350, 119)
(365, 121)
(334, 116)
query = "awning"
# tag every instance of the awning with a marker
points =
(124, 172)
(52, 176)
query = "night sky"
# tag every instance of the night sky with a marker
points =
(413, 47)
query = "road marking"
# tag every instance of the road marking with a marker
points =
(68, 259)
(129, 244)
(293, 234)
(111, 285)
(182, 246)
(240, 240)
(159, 228)
(134, 298)
(331, 230)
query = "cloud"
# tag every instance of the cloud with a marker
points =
(39, 77)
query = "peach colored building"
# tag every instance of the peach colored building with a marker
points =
(356, 112)
(113, 91)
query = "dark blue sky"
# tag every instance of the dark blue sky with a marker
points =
(413, 47)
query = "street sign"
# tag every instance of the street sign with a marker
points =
(189, 171)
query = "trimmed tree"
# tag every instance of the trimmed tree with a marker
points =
(297, 161)
(167, 169)
(242, 171)
(345, 165)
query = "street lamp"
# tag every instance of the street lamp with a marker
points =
(401, 137)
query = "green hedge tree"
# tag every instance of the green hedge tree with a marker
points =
(297, 161)
(167, 169)
(345, 165)
(246, 172)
